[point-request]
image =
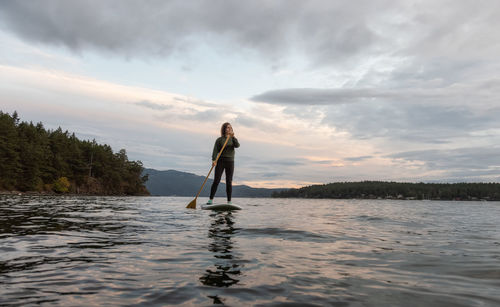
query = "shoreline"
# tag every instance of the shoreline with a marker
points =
(36, 193)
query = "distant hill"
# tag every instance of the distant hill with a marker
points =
(175, 183)
(397, 190)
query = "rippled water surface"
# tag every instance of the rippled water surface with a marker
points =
(80, 251)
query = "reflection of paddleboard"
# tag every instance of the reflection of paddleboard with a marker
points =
(220, 207)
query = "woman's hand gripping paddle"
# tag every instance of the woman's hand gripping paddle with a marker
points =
(192, 204)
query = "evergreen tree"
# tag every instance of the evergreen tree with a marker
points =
(376, 189)
(35, 159)
(9, 150)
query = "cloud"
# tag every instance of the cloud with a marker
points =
(431, 114)
(423, 92)
(329, 31)
(363, 80)
(152, 105)
(358, 159)
(311, 96)
(271, 175)
(337, 96)
(195, 101)
(458, 162)
(435, 31)
(266, 163)
(420, 123)
(207, 115)
(247, 120)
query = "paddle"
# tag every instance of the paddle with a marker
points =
(192, 204)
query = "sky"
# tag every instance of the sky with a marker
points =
(316, 91)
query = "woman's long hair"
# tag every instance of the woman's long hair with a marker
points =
(223, 129)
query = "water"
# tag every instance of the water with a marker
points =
(80, 251)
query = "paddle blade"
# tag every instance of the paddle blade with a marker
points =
(192, 204)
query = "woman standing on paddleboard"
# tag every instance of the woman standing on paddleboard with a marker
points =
(225, 162)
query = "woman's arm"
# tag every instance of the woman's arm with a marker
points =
(236, 144)
(216, 150)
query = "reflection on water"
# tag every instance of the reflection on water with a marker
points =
(225, 270)
(46, 241)
(28, 217)
(83, 251)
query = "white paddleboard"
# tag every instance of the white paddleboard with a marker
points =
(220, 207)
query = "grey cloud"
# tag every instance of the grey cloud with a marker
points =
(345, 46)
(429, 115)
(263, 163)
(322, 162)
(194, 115)
(306, 113)
(255, 122)
(271, 175)
(459, 163)
(415, 115)
(471, 158)
(312, 96)
(329, 31)
(437, 72)
(217, 113)
(357, 159)
(264, 169)
(197, 102)
(474, 175)
(208, 115)
(462, 28)
(283, 162)
(411, 121)
(340, 96)
(245, 120)
(152, 105)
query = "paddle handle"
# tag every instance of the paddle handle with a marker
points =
(216, 159)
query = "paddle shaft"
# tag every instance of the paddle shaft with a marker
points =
(216, 159)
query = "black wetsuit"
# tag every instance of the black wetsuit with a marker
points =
(225, 163)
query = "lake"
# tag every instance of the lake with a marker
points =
(135, 251)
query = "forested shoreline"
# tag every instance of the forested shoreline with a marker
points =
(34, 159)
(396, 190)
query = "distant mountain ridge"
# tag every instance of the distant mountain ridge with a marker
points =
(176, 183)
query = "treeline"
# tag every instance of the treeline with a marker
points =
(397, 190)
(35, 159)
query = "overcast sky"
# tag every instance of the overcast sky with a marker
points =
(317, 91)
